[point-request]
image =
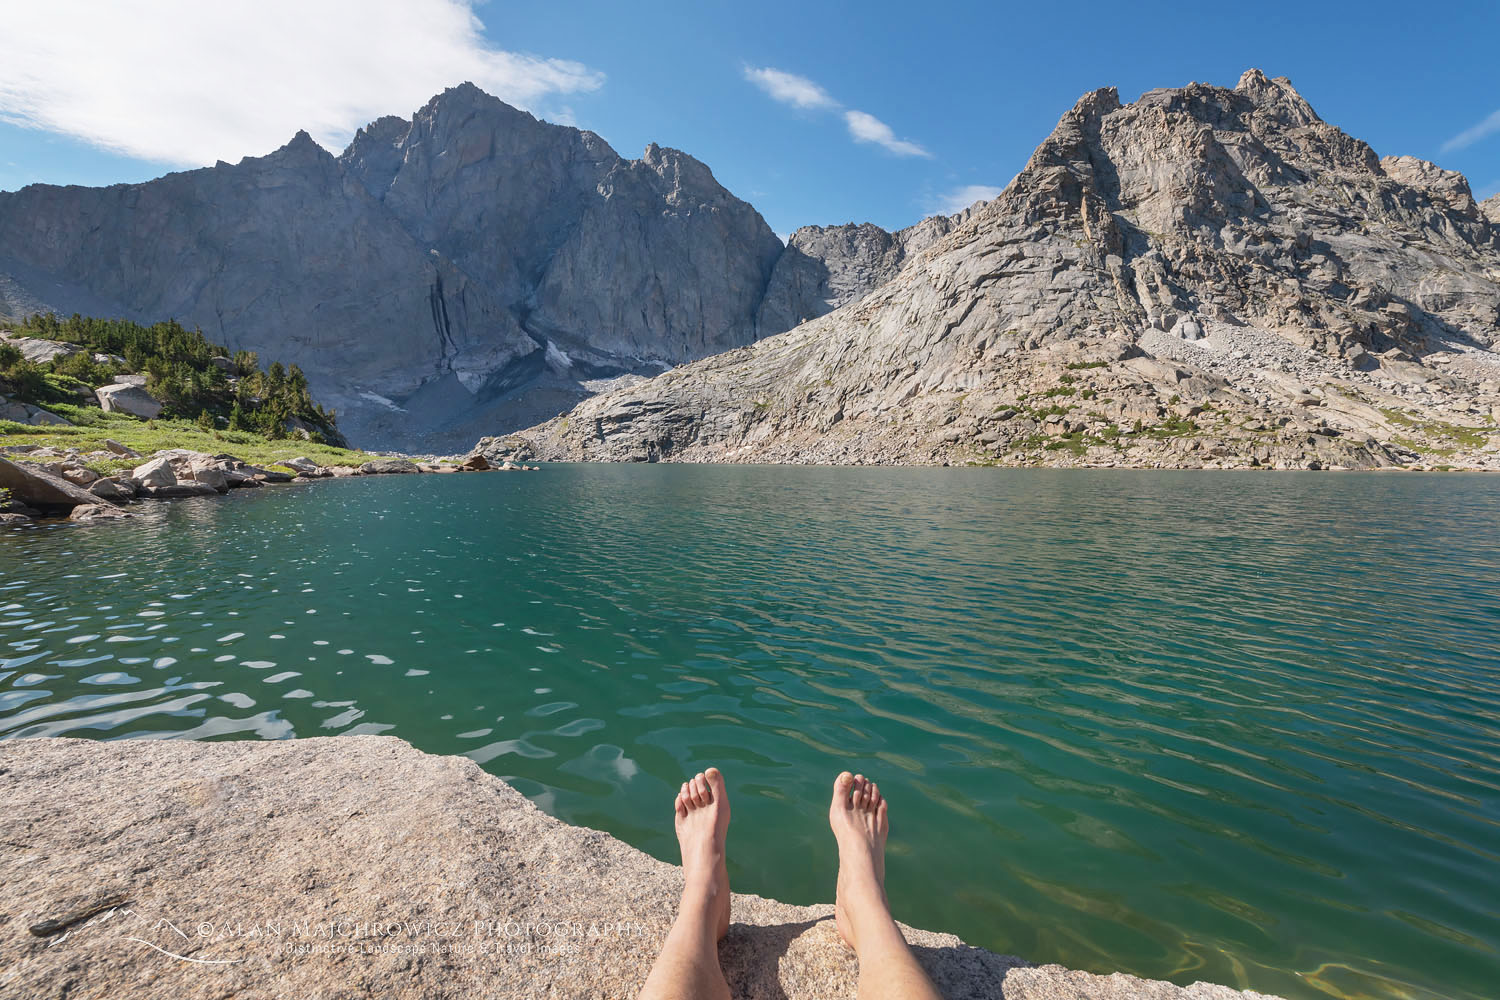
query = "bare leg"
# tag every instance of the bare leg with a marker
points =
(688, 966)
(887, 968)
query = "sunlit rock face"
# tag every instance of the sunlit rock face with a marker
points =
(435, 270)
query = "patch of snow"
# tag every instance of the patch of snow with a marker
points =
(377, 398)
(557, 358)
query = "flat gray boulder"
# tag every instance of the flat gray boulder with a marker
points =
(357, 866)
(131, 399)
(39, 351)
(388, 466)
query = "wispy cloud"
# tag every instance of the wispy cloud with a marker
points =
(865, 127)
(1481, 130)
(958, 199)
(1488, 191)
(186, 82)
(800, 92)
(789, 88)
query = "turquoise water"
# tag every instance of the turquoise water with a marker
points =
(1233, 727)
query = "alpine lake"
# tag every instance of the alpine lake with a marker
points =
(1233, 727)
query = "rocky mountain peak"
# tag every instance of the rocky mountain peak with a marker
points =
(1180, 280)
(1490, 209)
(299, 151)
(687, 179)
(1276, 97)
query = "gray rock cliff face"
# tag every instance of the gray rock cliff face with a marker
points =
(436, 268)
(1207, 276)
(825, 268)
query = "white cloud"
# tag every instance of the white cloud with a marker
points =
(1482, 130)
(958, 199)
(800, 92)
(188, 82)
(867, 128)
(789, 88)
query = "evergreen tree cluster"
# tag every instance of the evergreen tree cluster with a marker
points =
(192, 377)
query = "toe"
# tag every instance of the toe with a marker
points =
(715, 779)
(700, 790)
(874, 794)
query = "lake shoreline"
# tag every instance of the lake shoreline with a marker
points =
(177, 868)
(99, 509)
(66, 489)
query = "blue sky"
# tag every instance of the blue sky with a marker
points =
(950, 98)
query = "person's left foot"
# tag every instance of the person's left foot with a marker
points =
(702, 829)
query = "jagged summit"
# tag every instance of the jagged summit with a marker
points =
(300, 149)
(1277, 97)
(1235, 219)
(465, 267)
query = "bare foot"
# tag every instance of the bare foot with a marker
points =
(860, 825)
(702, 829)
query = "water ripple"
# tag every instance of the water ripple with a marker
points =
(1227, 727)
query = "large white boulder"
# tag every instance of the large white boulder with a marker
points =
(206, 470)
(37, 350)
(155, 473)
(131, 399)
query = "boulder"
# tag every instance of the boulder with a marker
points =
(9, 519)
(343, 471)
(120, 449)
(39, 351)
(131, 399)
(269, 475)
(155, 474)
(138, 380)
(39, 488)
(80, 475)
(238, 480)
(475, 463)
(207, 471)
(388, 466)
(96, 512)
(306, 468)
(25, 413)
(113, 491)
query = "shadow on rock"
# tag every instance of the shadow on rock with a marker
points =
(751, 955)
(962, 972)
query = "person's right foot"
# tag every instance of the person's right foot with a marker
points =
(860, 825)
(702, 811)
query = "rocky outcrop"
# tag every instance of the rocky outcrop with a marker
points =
(1205, 277)
(38, 487)
(26, 413)
(437, 270)
(360, 867)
